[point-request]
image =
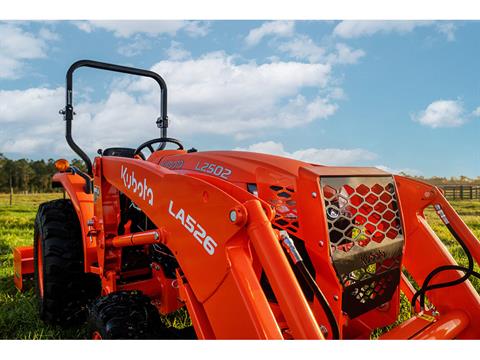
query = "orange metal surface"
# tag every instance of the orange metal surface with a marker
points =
(427, 327)
(448, 326)
(135, 239)
(293, 304)
(259, 311)
(196, 311)
(40, 269)
(22, 265)
(408, 328)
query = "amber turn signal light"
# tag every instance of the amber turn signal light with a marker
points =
(62, 165)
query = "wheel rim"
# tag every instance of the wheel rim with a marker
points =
(40, 267)
(96, 336)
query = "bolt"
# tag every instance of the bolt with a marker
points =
(233, 216)
(314, 194)
(384, 306)
(324, 330)
(174, 284)
(335, 297)
(155, 235)
(428, 194)
(320, 243)
(157, 267)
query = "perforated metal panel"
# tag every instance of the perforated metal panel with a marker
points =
(283, 200)
(366, 239)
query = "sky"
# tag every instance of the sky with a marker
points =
(399, 95)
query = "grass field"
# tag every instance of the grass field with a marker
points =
(18, 316)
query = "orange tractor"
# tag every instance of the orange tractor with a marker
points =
(252, 246)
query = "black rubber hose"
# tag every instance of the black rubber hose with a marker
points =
(424, 289)
(300, 265)
(468, 272)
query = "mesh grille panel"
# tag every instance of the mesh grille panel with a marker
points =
(366, 239)
(283, 200)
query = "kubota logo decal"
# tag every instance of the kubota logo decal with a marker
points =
(140, 188)
(194, 228)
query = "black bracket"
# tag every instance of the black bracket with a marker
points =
(162, 123)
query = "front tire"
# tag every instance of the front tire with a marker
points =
(62, 287)
(124, 315)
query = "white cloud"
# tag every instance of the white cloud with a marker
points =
(303, 47)
(28, 120)
(127, 28)
(448, 29)
(18, 46)
(9, 68)
(47, 34)
(346, 55)
(215, 94)
(442, 113)
(134, 48)
(210, 95)
(85, 26)
(37, 103)
(408, 171)
(177, 52)
(197, 28)
(31, 126)
(19, 43)
(328, 156)
(476, 112)
(353, 29)
(276, 28)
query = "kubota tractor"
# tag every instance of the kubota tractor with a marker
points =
(253, 246)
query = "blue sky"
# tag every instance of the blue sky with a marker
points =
(403, 95)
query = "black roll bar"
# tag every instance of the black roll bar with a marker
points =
(162, 121)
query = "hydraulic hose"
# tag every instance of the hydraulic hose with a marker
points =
(467, 270)
(298, 262)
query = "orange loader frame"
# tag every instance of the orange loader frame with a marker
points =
(228, 243)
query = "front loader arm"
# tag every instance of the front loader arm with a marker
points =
(424, 252)
(212, 235)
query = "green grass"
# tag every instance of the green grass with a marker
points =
(18, 314)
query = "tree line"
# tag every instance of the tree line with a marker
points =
(25, 175)
(454, 180)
